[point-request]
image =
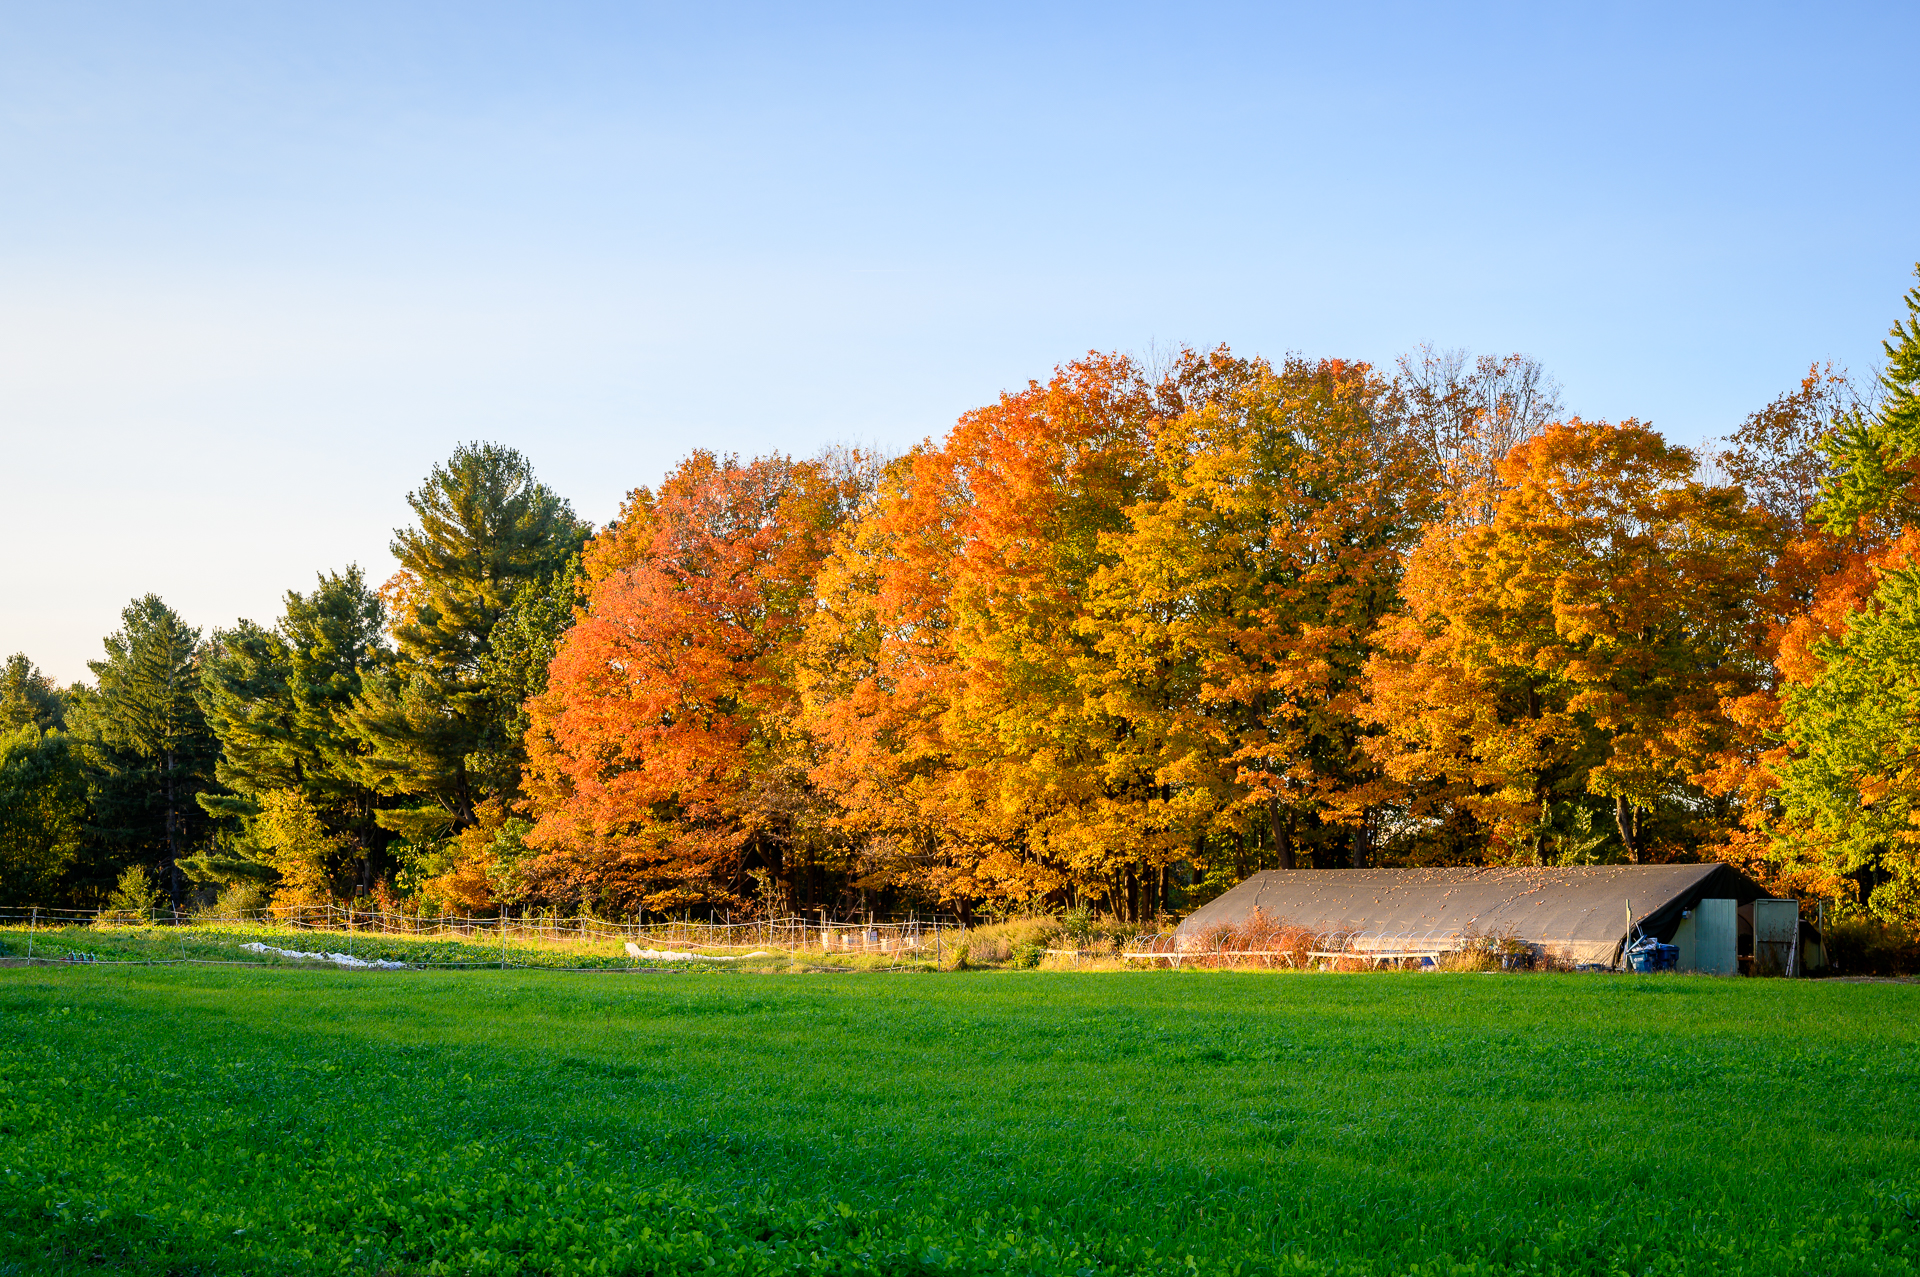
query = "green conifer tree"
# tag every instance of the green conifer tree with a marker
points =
(519, 650)
(1851, 780)
(278, 700)
(432, 725)
(1874, 453)
(151, 748)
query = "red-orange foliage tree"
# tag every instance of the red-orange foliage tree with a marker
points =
(940, 681)
(662, 755)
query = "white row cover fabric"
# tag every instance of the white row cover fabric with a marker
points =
(338, 959)
(671, 955)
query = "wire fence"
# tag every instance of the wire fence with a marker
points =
(1300, 948)
(915, 940)
(538, 940)
(791, 932)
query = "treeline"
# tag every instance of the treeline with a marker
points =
(1120, 639)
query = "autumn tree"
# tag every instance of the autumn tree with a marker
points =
(874, 675)
(940, 675)
(1852, 782)
(299, 847)
(1466, 417)
(1782, 454)
(1231, 628)
(670, 703)
(1582, 644)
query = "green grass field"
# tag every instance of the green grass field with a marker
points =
(207, 1120)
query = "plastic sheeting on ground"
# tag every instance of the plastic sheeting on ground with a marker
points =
(338, 959)
(671, 955)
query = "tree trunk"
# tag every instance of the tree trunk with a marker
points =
(1282, 833)
(173, 838)
(1627, 817)
(462, 800)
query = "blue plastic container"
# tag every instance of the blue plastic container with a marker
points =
(1649, 955)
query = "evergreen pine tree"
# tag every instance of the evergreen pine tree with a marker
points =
(154, 750)
(277, 699)
(432, 725)
(519, 650)
(1874, 453)
(1848, 783)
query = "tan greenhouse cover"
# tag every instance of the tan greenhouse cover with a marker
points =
(1579, 911)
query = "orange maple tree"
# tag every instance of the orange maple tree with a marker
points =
(669, 708)
(940, 683)
(1585, 644)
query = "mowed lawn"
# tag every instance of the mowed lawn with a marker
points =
(201, 1120)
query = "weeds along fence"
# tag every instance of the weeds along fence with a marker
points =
(913, 937)
(1282, 945)
(1263, 942)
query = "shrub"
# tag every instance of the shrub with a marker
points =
(1259, 941)
(1867, 946)
(134, 896)
(241, 900)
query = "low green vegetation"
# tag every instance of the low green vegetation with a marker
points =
(224, 941)
(229, 1120)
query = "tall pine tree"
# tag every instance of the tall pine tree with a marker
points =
(432, 725)
(151, 747)
(1875, 453)
(1849, 783)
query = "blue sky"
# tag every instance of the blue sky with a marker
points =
(262, 265)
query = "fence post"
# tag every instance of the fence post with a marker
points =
(503, 937)
(32, 922)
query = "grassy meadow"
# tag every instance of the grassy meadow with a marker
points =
(219, 1120)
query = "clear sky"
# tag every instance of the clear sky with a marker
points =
(262, 265)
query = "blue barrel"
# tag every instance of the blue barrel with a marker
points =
(1648, 955)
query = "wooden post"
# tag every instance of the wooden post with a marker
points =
(32, 922)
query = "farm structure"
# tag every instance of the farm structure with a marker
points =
(1587, 915)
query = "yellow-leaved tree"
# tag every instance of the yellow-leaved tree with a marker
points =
(1580, 649)
(1232, 624)
(302, 851)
